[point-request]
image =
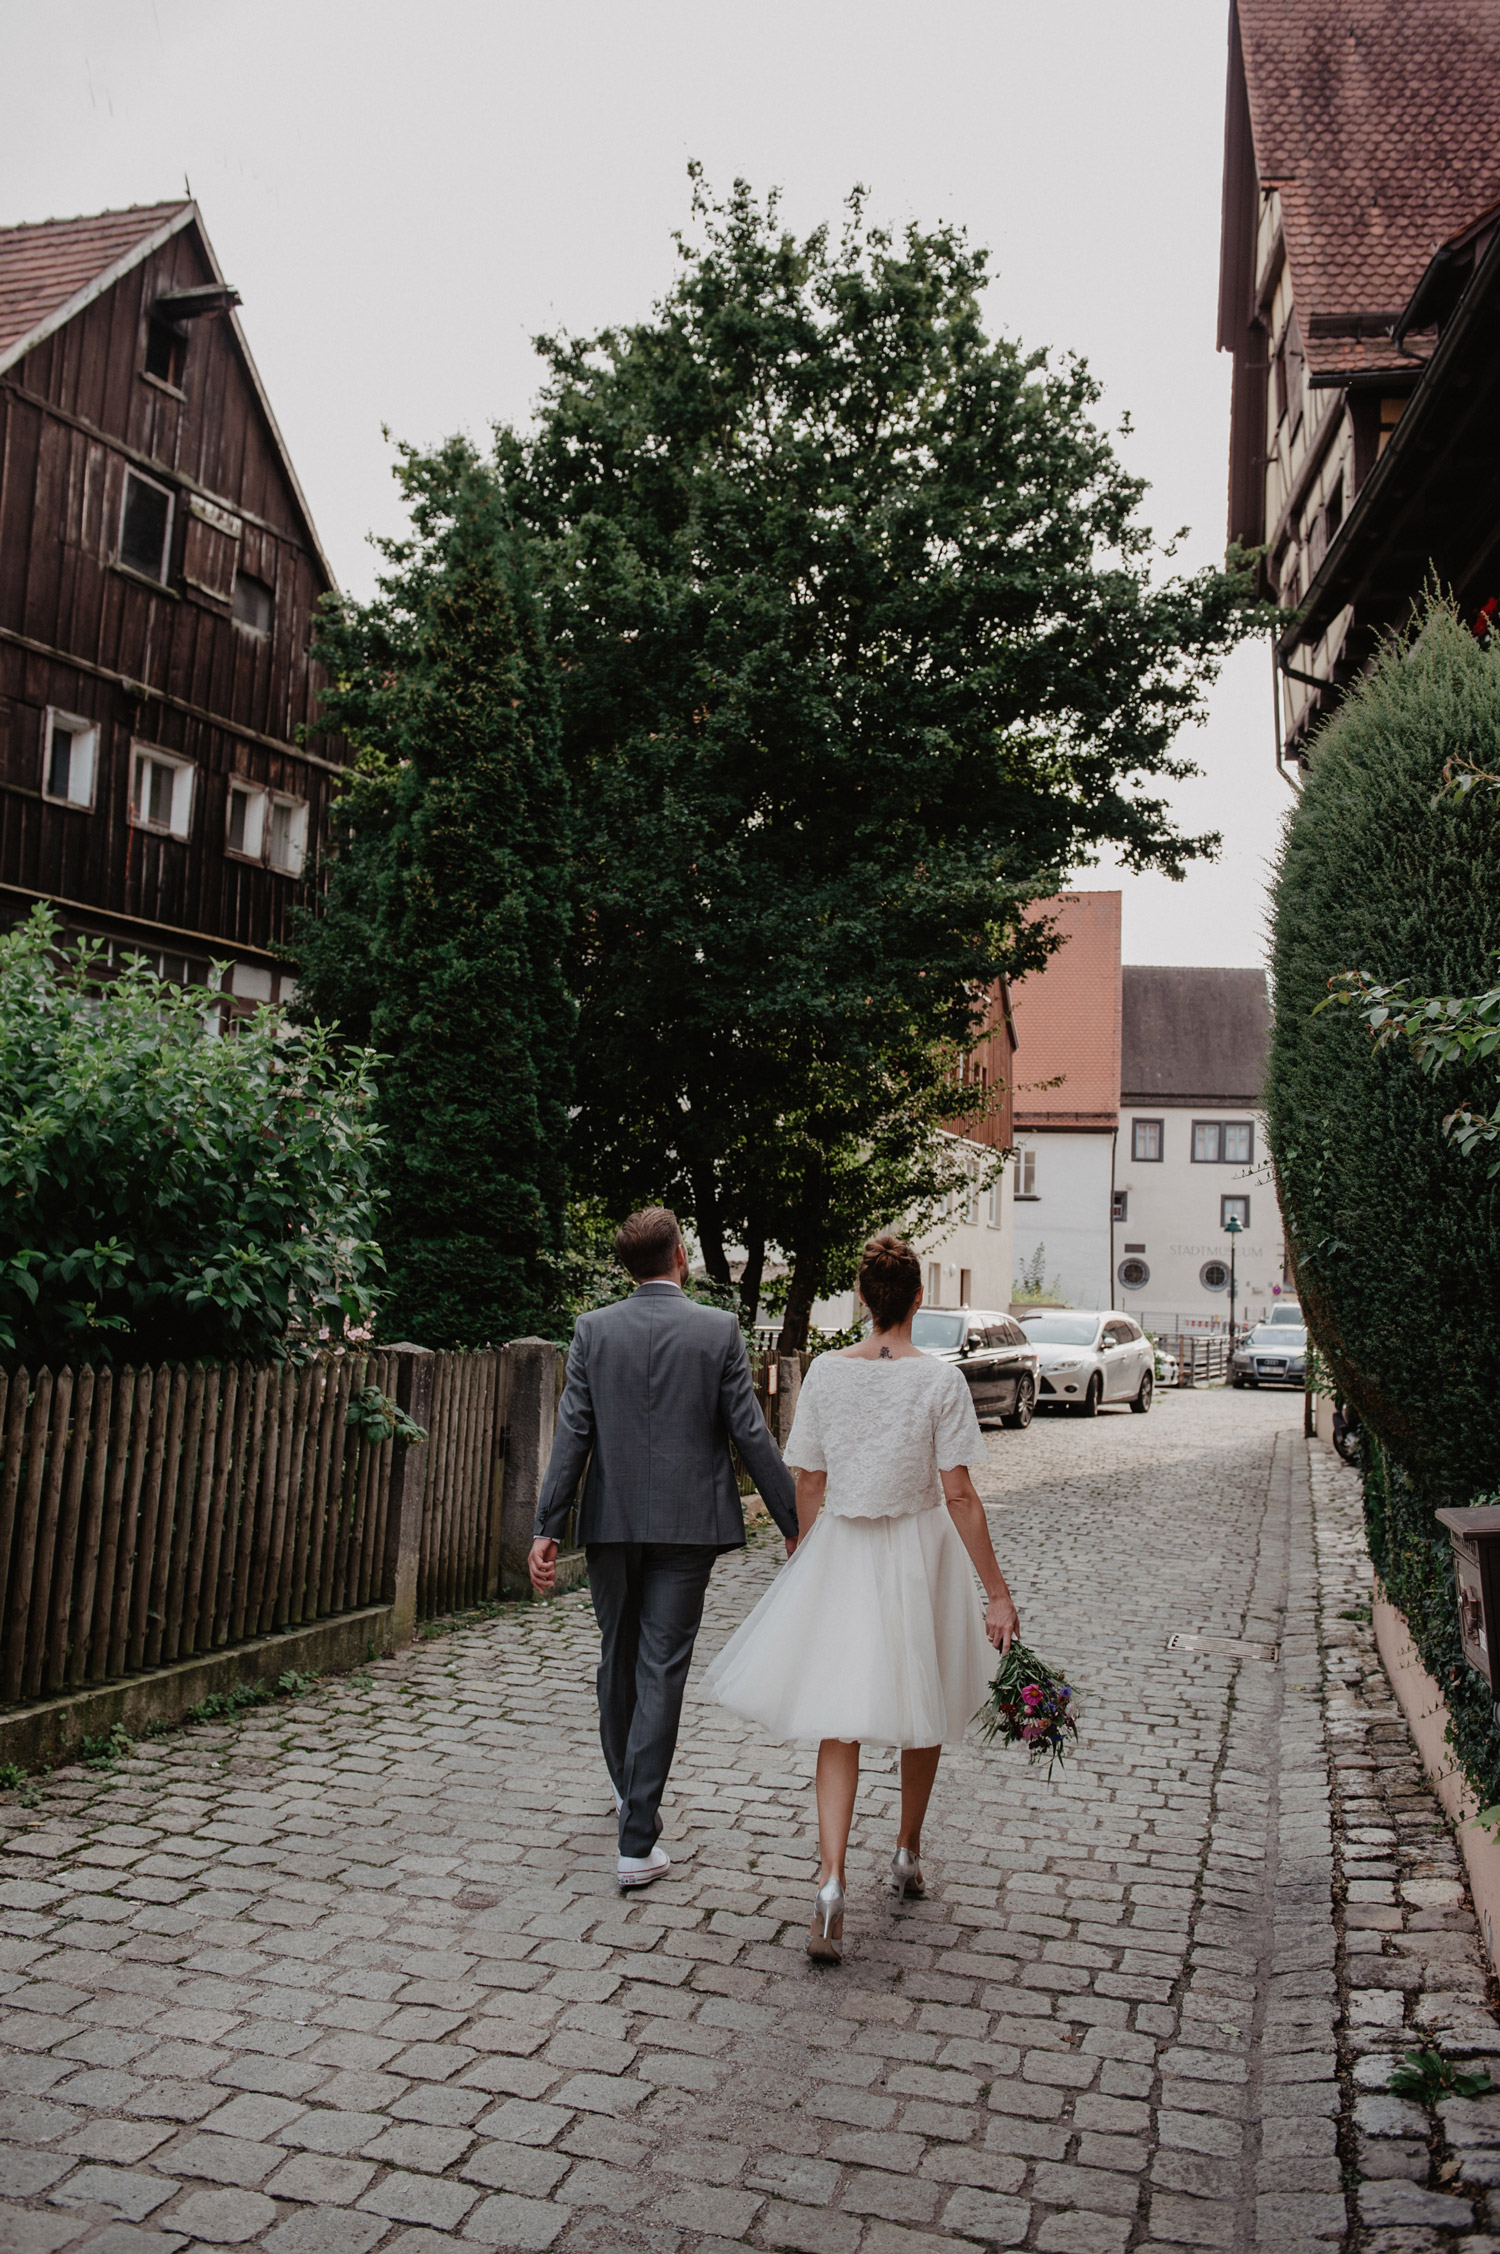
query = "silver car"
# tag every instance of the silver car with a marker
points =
(1274, 1353)
(1085, 1361)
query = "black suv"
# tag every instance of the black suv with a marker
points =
(994, 1353)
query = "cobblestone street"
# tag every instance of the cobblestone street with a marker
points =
(352, 1972)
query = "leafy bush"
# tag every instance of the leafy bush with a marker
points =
(165, 1195)
(1394, 1234)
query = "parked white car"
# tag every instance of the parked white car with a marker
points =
(1168, 1369)
(1085, 1360)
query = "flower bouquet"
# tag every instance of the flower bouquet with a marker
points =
(1029, 1705)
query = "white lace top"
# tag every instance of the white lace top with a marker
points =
(883, 1431)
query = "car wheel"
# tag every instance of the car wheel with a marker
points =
(1020, 1415)
(1142, 1401)
(1089, 1405)
(1238, 1383)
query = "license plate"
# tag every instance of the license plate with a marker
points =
(1273, 1369)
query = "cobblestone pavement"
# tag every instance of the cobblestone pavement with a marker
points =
(352, 1972)
(1413, 1970)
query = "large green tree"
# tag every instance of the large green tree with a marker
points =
(443, 931)
(863, 647)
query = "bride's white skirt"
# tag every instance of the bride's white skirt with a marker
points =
(873, 1629)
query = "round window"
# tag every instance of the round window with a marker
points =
(1214, 1275)
(1133, 1274)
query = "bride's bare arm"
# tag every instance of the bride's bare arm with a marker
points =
(1001, 1619)
(811, 1488)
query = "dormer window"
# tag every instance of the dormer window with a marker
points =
(288, 840)
(161, 790)
(245, 835)
(145, 526)
(166, 351)
(70, 750)
(254, 603)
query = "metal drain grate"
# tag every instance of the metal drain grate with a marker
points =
(1230, 1647)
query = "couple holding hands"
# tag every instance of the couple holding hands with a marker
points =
(872, 1632)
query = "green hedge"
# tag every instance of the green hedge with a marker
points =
(1414, 1558)
(1394, 1234)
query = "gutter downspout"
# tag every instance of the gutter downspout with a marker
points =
(1113, 1155)
(1281, 768)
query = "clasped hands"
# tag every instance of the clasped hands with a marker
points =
(541, 1563)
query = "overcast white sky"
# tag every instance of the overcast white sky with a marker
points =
(406, 194)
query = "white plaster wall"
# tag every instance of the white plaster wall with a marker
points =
(978, 1236)
(1173, 1210)
(1069, 1215)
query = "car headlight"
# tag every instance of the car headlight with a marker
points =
(1060, 1366)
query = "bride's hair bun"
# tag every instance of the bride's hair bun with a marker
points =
(890, 1276)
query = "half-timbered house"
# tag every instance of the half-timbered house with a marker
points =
(162, 777)
(1361, 162)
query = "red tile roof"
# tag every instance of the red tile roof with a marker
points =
(1067, 1020)
(1379, 122)
(43, 266)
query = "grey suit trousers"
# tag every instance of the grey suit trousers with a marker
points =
(648, 1600)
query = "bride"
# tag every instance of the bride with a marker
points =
(871, 1634)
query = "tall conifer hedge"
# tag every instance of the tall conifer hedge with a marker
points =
(1394, 1233)
(447, 913)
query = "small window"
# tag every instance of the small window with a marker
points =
(254, 604)
(1026, 1173)
(971, 1206)
(934, 1292)
(1214, 1275)
(288, 835)
(1146, 1141)
(245, 830)
(1227, 1142)
(166, 351)
(145, 526)
(1133, 1273)
(1234, 1209)
(994, 1205)
(161, 791)
(70, 749)
(1120, 1207)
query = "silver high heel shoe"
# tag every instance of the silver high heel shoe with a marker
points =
(828, 1915)
(906, 1875)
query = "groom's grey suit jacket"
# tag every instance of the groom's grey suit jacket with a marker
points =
(657, 1387)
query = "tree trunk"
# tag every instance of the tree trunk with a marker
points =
(754, 1269)
(801, 1292)
(710, 1229)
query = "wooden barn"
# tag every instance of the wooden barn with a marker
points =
(162, 780)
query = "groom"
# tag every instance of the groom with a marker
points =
(657, 1387)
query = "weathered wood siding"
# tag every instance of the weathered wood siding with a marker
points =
(77, 414)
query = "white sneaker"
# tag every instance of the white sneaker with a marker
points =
(639, 1870)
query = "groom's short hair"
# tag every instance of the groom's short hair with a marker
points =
(646, 1242)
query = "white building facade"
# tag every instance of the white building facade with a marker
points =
(1063, 1191)
(1191, 1152)
(968, 1256)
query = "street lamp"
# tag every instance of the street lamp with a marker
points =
(1233, 1227)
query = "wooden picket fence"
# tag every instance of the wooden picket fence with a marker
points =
(149, 1515)
(460, 1561)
